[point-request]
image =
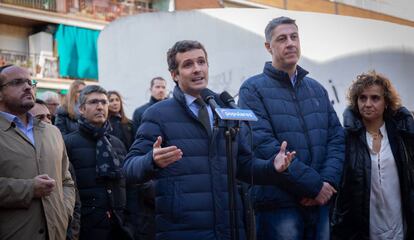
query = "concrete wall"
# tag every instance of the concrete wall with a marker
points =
(335, 49)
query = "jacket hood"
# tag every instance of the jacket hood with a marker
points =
(402, 118)
(352, 120)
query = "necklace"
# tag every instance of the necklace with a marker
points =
(375, 135)
(376, 141)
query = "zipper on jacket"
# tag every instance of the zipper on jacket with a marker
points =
(292, 90)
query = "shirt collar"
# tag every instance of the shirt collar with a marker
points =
(383, 130)
(13, 118)
(293, 79)
(189, 99)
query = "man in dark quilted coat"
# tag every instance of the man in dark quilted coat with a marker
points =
(294, 108)
(186, 157)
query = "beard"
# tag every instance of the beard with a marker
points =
(19, 107)
(27, 106)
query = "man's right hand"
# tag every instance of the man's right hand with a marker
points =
(325, 194)
(165, 156)
(43, 185)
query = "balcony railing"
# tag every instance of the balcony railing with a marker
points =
(42, 65)
(107, 10)
(47, 5)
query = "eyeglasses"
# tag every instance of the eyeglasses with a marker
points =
(44, 117)
(20, 82)
(97, 101)
(52, 104)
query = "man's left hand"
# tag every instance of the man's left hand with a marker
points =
(283, 158)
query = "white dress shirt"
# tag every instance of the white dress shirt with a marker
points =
(386, 219)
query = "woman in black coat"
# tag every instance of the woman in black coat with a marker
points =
(376, 197)
(121, 125)
(67, 115)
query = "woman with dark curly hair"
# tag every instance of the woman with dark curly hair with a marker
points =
(376, 197)
(121, 125)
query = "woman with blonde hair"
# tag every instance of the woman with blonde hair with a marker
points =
(67, 115)
(376, 197)
(121, 125)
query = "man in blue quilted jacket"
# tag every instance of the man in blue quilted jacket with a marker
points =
(185, 155)
(294, 108)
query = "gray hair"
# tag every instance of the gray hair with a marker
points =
(276, 22)
(88, 90)
(47, 95)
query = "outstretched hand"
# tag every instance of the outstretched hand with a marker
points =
(165, 156)
(283, 158)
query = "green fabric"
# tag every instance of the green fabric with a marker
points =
(77, 50)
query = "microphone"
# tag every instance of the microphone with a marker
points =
(208, 96)
(227, 113)
(228, 99)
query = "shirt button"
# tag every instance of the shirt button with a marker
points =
(41, 231)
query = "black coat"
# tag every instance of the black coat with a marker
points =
(96, 223)
(351, 213)
(123, 131)
(137, 116)
(64, 122)
(145, 193)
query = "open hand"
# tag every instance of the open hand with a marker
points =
(165, 156)
(283, 158)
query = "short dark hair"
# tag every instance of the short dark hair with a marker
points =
(181, 47)
(40, 101)
(155, 79)
(88, 90)
(276, 22)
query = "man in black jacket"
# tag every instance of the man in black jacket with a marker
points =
(145, 193)
(97, 158)
(158, 92)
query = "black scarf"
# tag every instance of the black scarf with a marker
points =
(107, 162)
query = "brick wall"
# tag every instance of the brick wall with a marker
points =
(196, 4)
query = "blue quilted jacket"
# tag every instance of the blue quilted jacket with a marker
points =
(304, 117)
(191, 195)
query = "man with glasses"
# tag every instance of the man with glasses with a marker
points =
(37, 193)
(41, 112)
(52, 102)
(97, 158)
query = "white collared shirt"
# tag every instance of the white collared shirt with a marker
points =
(386, 219)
